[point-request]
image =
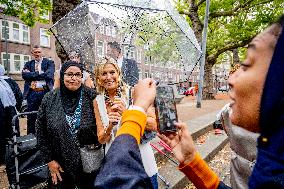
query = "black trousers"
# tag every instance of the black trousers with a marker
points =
(33, 101)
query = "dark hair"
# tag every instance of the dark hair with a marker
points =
(115, 45)
(36, 47)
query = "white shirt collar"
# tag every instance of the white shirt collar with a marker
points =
(40, 61)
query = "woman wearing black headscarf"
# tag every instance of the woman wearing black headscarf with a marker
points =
(66, 121)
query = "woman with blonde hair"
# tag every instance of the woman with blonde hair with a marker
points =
(112, 100)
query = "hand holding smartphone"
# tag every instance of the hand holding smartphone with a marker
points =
(165, 109)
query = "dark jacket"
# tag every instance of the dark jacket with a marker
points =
(129, 69)
(47, 66)
(269, 169)
(123, 166)
(54, 138)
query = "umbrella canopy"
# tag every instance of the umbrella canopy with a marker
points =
(151, 32)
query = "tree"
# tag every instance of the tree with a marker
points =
(158, 34)
(29, 11)
(60, 9)
(232, 24)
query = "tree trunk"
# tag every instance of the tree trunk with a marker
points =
(208, 93)
(236, 58)
(60, 9)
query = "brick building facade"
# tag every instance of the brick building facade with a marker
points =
(17, 40)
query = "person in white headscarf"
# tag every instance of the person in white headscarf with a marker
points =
(10, 101)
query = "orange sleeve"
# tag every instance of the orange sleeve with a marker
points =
(200, 174)
(133, 123)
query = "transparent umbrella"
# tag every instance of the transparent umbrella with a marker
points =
(151, 32)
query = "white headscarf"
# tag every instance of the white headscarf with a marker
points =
(6, 94)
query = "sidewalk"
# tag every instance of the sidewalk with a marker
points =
(187, 108)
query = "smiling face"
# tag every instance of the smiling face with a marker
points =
(73, 78)
(248, 81)
(109, 77)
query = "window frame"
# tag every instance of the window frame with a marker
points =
(11, 59)
(11, 31)
(102, 49)
(43, 32)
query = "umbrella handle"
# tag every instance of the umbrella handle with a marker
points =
(163, 153)
(162, 143)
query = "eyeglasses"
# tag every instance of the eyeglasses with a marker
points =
(71, 75)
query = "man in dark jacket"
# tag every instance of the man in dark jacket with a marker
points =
(128, 67)
(38, 75)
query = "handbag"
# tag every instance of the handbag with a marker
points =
(92, 157)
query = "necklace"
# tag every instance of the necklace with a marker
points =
(107, 98)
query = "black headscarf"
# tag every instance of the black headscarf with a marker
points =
(70, 99)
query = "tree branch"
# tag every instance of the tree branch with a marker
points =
(232, 12)
(200, 2)
(213, 57)
(184, 12)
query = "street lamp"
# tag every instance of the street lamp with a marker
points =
(202, 61)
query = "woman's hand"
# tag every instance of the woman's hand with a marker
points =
(118, 106)
(114, 117)
(181, 143)
(151, 123)
(55, 170)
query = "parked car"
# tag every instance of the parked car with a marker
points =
(189, 91)
(223, 89)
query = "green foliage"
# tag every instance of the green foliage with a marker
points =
(237, 24)
(29, 11)
(159, 34)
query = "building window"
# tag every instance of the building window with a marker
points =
(139, 56)
(101, 27)
(26, 58)
(6, 61)
(100, 49)
(129, 53)
(108, 30)
(44, 38)
(146, 74)
(5, 30)
(16, 61)
(26, 36)
(140, 73)
(113, 32)
(147, 59)
(16, 32)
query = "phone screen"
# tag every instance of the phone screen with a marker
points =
(165, 109)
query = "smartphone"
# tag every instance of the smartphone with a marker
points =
(165, 108)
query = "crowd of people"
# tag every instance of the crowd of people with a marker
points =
(109, 115)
